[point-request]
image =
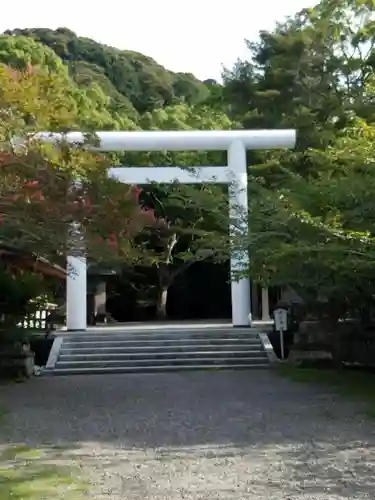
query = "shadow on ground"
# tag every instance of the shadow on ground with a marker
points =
(225, 434)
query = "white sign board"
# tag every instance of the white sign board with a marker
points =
(281, 325)
(281, 319)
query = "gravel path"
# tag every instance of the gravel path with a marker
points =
(202, 436)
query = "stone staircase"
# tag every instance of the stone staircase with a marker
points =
(148, 351)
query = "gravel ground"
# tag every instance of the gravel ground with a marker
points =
(202, 435)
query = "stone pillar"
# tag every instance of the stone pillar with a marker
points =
(239, 262)
(101, 302)
(76, 294)
(265, 305)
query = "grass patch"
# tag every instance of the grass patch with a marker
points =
(29, 474)
(354, 384)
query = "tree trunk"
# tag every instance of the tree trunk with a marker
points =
(161, 305)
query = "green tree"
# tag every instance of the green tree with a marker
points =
(309, 228)
(22, 52)
(310, 73)
(37, 202)
(317, 233)
(191, 225)
(133, 81)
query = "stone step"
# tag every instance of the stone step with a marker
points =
(181, 361)
(92, 370)
(166, 355)
(175, 335)
(108, 331)
(161, 342)
(152, 351)
(104, 349)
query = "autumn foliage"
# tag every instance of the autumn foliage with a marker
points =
(47, 193)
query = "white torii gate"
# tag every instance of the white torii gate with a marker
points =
(235, 142)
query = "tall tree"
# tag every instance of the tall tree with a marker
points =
(191, 225)
(37, 202)
(310, 74)
(316, 234)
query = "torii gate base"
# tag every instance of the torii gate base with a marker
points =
(235, 142)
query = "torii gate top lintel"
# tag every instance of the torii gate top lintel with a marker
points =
(186, 140)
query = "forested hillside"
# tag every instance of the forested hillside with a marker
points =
(132, 81)
(312, 211)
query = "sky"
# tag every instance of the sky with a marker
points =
(198, 36)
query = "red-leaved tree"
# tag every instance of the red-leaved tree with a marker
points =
(55, 200)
